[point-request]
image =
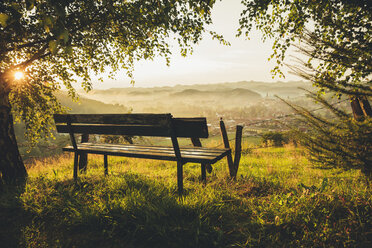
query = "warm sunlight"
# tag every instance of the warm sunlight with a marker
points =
(111, 137)
(18, 75)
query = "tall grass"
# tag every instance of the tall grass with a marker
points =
(278, 200)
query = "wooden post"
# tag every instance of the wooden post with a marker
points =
(105, 164)
(83, 158)
(177, 152)
(238, 148)
(76, 158)
(180, 177)
(196, 142)
(73, 141)
(203, 173)
(227, 145)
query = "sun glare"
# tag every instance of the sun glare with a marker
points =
(18, 75)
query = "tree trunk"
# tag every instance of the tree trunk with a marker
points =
(360, 107)
(356, 108)
(366, 107)
(11, 165)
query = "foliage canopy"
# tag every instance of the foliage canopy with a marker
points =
(336, 36)
(61, 42)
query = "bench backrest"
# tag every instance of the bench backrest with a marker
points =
(160, 125)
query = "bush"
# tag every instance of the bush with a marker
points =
(275, 138)
(116, 139)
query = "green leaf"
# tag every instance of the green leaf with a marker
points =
(3, 19)
(53, 45)
(30, 4)
(48, 23)
(64, 36)
(68, 50)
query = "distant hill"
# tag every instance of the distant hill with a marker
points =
(240, 92)
(237, 92)
(282, 89)
(89, 106)
(199, 99)
(191, 92)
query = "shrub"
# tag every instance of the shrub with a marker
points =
(275, 138)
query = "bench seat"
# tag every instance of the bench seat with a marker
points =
(152, 125)
(189, 154)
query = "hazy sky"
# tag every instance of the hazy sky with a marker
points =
(211, 61)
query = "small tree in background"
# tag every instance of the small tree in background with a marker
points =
(274, 138)
(338, 142)
(336, 36)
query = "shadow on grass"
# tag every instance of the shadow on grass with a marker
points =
(131, 210)
(258, 187)
(12, 215)
(121, 211)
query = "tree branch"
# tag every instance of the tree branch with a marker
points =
(29, 44)
(32, 43)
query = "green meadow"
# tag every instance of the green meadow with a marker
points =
(278, 200)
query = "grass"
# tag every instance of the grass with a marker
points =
(278, 200)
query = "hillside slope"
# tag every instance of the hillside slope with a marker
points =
(89, 106)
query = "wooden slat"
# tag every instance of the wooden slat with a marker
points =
(145, 152)
(137, 149)
(146, 155)
(206, 149)
(124, 119)
(166, 149)
(184, 127)
(140, 130)
(191, 127)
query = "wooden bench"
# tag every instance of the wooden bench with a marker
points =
(157, 125)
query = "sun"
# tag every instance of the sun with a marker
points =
(18, 75)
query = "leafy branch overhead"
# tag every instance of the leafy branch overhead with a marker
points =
(336, 38)
(64, 42)
(335, 35)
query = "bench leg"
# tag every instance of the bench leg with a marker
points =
(83, 161)
(180, 177)
(203, 173)
(105, 164)
(76, 161)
